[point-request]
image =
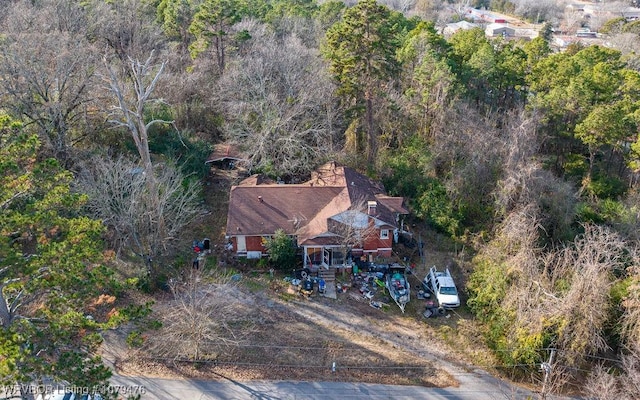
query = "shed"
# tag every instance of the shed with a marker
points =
(225, 155)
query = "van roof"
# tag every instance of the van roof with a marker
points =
(445, 281)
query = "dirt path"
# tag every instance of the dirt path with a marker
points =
(344, 324)
(400, 332)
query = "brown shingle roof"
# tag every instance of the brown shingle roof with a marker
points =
(303, 209)
(319, 241)
(263, 209)
(255, 180)
(318, 224)
(395, 204)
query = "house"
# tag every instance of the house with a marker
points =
(563, 41)
(486, 16)
(577, 7)
(497, 29)
(454, 27)
(586, 33)
(631, 14)
(338, 212)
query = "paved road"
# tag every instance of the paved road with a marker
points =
(169, 389)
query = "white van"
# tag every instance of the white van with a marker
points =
(443, 287)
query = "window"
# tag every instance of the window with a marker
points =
(384, 234)
(338, 257)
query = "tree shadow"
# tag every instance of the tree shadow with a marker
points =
(254, 393)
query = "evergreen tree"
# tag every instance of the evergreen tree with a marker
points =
(51, 270)
(362, 52)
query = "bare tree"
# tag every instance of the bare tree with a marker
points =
(629, 46)
(588, 268)
(602, 385)
(125, 28)
(571, 21)
(538, 10)
(621, 382)
(133, 88)
(353, 226)
(120, 197)
(404, 6)
(432, 10)
(606, 11)
(576, 313)
(469, 150)
(523, 181)
(207, 313)
(47, 71)
(278, 104)
(530, 183)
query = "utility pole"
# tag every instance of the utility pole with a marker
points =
(546, 367)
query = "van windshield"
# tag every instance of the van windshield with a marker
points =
(448, 290)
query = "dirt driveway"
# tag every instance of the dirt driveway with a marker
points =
(317, 338)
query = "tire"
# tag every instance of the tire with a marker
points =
(305, 273)
(441, 311)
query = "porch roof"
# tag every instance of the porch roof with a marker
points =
(322, 241)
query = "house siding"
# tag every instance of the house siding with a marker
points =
(384, 253)
(253, 243)
(375, 243)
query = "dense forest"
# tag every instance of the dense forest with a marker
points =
(526, 155)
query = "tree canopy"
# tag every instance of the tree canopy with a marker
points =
(361, 49)
(54, 284)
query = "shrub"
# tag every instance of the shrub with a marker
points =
(606, 187)
(135, 339)
(282, 250)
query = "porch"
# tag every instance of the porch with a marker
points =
(315, 257)
(336, 257)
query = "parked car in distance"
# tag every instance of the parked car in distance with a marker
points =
(441, 284)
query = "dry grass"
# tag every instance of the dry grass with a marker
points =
(304, 345)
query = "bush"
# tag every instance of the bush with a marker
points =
(598, 212)
(587, 213)
(407, 175)
(150, 284)
(282, 250)
(135, 339)
(487, 287)
(436, 207)
(606, 187)
(189, 154)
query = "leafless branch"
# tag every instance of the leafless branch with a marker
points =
(119, 196)
(279, 106)
(208, 311)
